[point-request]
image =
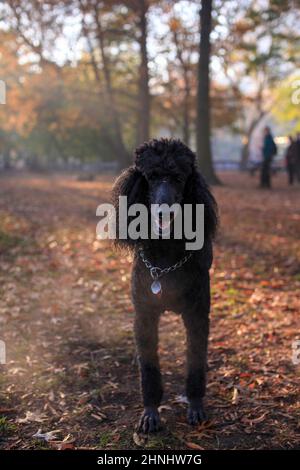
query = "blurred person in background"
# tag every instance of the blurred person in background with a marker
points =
(297, 169)
(269, 150)
(291, 159)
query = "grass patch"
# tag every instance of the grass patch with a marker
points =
(116, 439)
(105, 439)
(164, 441)
(7, 241)
(6, 427)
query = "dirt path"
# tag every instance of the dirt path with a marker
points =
(66, 318)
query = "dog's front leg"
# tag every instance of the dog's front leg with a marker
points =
(146, 336)
(197, 326)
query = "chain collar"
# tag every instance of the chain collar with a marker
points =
(156, 272)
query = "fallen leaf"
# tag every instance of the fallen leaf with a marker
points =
(256, 420)
(193, 445)
(99, 417)
(235, 396)
(47, 436)
(139, 439)
(60, 445)
(32, 416)
(181, 399)
(164, 407)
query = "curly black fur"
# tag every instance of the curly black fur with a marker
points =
(186, 290)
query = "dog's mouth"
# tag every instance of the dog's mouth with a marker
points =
(163, 222)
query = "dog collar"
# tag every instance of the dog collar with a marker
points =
(156, 272)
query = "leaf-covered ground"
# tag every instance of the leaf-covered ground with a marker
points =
(71, 379)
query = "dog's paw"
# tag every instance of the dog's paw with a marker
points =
(149, 421)
(196, 414)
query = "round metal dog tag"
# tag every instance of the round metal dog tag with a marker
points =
(156, 287)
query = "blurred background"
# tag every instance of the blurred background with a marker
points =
(86, 80)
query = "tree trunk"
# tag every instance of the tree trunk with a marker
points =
(144, 93)
(187, 92)
(186, 108)
(121, 153)
(203, 99)
(245, 155)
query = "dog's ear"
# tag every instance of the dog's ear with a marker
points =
(130, 183)
(197, 192)
(133, 184)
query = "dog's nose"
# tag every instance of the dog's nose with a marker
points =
(164, 194)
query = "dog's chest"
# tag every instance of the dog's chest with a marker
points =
(174, 288)
(169, 291)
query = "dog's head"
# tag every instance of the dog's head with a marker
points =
(165, 173)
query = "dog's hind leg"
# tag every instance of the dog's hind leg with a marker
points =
(197, 326)
(146, 336)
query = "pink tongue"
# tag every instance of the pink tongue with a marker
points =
(164, 224)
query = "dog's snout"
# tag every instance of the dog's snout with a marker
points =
(164, 194)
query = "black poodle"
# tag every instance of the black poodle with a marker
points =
(165, 276)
